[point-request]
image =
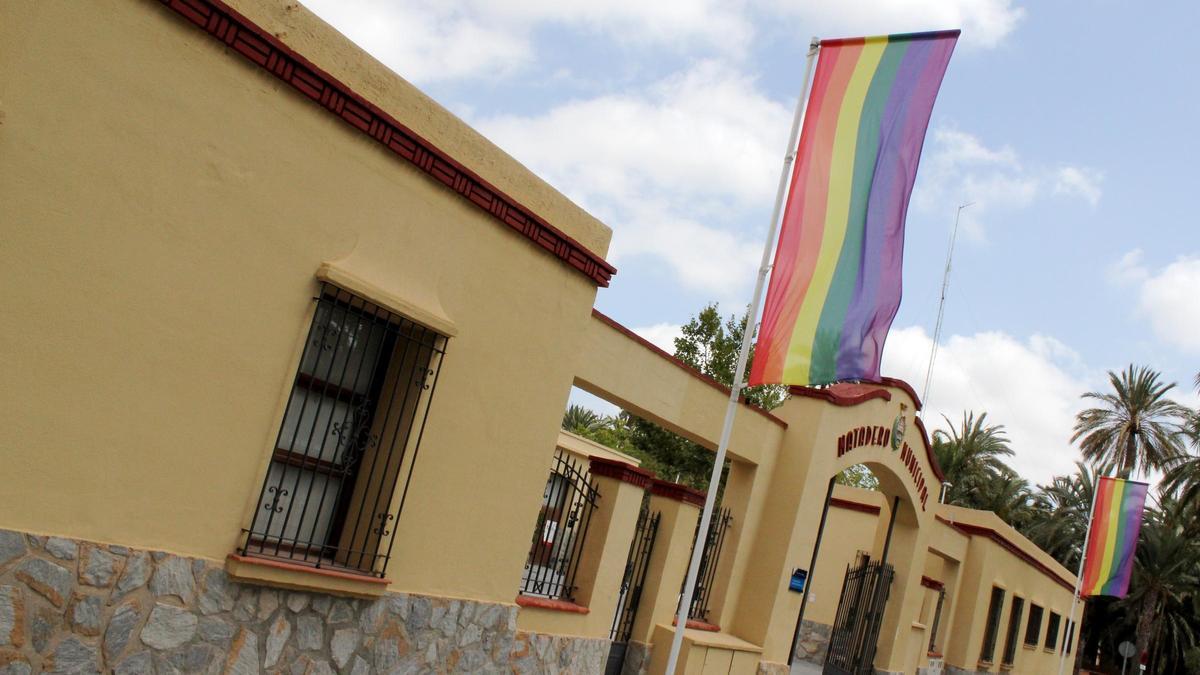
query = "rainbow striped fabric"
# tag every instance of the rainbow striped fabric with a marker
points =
(835, 284)
(1116, 521)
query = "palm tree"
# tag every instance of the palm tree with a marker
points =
(1136, 428)
(583, 421)
(1007, 495)
(1183, 477)
(1166, 576)
(1060, 515)
(970, 456)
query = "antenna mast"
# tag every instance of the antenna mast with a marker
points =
(937, 330)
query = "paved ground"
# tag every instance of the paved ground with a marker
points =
(805, 668)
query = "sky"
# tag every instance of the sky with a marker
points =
(1069, 126)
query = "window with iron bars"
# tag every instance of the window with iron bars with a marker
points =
(1052, 630)
(568, 501)
(1033, 629)
(1014, 627)
(993, 625)
(937, 620)
(346, 447)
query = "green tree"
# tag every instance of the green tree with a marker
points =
(711, 347)
(1183, 475)
(1135, 427)
(971, 455)
(858, 476)
(582, 421)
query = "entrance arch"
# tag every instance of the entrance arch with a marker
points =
(829, 430)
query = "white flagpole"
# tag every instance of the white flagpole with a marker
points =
(735, 391)
(1062, 657)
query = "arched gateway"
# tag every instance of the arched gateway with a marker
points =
(829, 430)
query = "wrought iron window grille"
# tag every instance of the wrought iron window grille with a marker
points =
(1052, 630)
(568, 502)
(349, 439)
(635, 574)
(937, 620)
(1014, 627)
(1033, 628)
(710, 560)
(992, 628)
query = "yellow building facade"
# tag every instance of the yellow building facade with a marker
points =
(287, 346)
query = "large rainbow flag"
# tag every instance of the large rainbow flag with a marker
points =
(1116, 521)
(835, 284)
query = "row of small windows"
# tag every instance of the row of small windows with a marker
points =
(1033, 628)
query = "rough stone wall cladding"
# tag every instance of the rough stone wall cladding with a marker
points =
(637, 659)
(813, 642)
(68, 606)
(772, 668)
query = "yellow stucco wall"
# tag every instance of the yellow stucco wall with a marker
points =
(165, 206)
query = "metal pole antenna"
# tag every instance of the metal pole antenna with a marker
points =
(937, 330)
(1062, 658)
(735, 391)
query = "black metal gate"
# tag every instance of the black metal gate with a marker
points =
(860, 612)
(631, 588)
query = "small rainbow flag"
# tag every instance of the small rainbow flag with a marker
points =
(835, 284)
(1116, 521)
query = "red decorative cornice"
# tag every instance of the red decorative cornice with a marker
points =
(843, 393)
(849, 505)
(680, 493)
(927, 582)
(628, 473)
(260, 47)
(932, 458)
(1005, 543)
(901, 384)
(690, 371)
(547, 603)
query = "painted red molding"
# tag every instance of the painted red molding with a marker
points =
(901, 384)
(307, 569)
(628, 473)
(933, 462)
(1004, 543)
(843, 393)
(680, 493)
(849, 505)
(263, 49)
(928, 582)
(695, 624)
(554, 605)
(691, 371)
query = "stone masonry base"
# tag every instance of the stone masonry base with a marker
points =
(69, 606)
(813, 642)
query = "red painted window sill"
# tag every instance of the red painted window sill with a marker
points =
(547, 603)
(308, 569)
(699, 625)
(934, 655)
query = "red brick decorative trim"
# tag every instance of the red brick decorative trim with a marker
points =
(260, 47)
(901, 384)
(838, 502)
(843, 393)
(554, 605)
(308, 569)
(932, 458)
(932, 583)
(680, 493)
(628, 473)
(690, 370)
(695, 624)
(1004, 543)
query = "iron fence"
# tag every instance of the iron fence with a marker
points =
(567, 505)
(710, 559)
(346, 447)
(855, 634)
(937, 620)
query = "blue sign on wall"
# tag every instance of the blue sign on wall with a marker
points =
(799, 580)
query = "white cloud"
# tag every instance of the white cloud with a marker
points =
(984, 23)
(662, 335)
(960, 168)
(1079, 181)
(1032, 387)
(428, 40)
(668, 166)
(1170, 299)
(1129, 269)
